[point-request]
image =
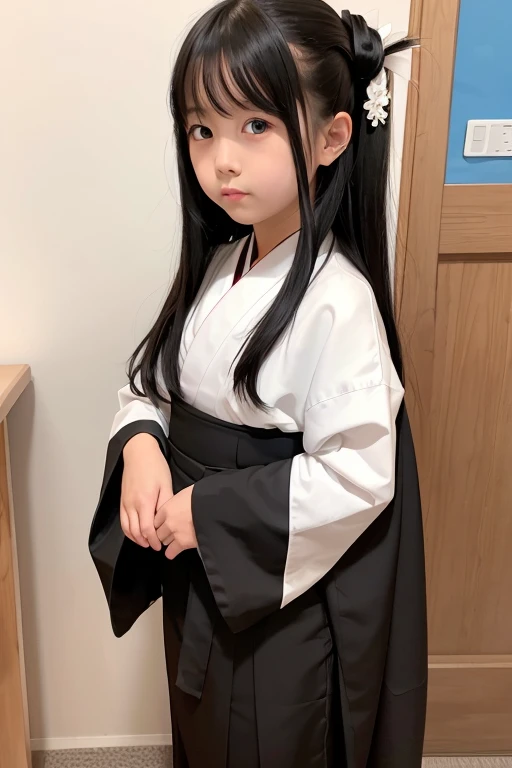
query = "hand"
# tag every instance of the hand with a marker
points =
(174, 524)
(146, 485)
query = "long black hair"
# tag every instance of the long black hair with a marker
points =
(280, 55)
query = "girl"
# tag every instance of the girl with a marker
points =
(255, 477)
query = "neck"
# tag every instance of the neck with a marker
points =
(273, 231)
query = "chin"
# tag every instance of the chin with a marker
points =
(248, 217)
(242, 219)
(241, 216)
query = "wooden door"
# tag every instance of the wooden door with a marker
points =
(454, 306)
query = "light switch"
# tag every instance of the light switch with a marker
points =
(479, 133)
(477, 147)
(488, 138)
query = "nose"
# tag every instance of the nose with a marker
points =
(226, 160)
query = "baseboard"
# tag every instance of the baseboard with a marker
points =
(98, 742)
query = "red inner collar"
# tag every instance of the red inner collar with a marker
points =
(239, 271)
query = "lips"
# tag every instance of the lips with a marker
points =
(232, 193)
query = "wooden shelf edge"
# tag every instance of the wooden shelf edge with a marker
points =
(14, 379)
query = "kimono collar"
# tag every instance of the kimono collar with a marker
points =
(279, 260)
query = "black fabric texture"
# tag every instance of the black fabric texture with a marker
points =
(129, 574)
(337, 678)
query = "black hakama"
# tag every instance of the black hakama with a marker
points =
(335, 678)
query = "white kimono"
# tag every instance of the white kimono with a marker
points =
(330, 377)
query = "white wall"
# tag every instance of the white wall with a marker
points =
(88, 234)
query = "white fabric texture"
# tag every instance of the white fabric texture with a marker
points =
(330, 377)
(134, 408)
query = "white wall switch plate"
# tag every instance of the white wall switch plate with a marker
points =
(488, 138)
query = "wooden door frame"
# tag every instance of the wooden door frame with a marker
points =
(434, 23)
(436, 300)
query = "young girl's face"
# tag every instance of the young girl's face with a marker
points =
(243, 162)
(243, 159)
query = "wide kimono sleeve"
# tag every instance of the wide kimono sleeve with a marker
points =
(267, 534)
(128, 573)
(136, 414)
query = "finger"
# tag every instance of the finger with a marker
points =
(162, 508)
(173, 550)
(147, 528)
(168, 540)
(161, 515)
(165, 494)
(135, 528)
(125, 523)
(164, 531)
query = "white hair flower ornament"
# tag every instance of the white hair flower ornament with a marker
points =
(378, 99)
(377, 92)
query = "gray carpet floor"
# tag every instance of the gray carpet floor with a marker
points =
(123, 757)
(160, 757)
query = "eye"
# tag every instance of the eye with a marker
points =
(200, 132)
(257, 126)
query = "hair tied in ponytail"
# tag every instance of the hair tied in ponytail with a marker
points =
(367, 46)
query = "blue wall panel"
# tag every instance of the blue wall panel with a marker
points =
(482, 87)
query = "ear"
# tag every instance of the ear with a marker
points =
(333, 138)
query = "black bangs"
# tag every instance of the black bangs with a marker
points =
(236, 57)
